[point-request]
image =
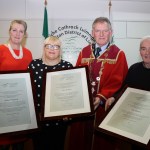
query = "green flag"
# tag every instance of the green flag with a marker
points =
(45, 24)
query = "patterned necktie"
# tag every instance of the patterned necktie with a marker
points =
(97, 52)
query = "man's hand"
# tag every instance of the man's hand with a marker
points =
(109, 102)
(96, 102)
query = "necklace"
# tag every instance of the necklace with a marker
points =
(13, 53)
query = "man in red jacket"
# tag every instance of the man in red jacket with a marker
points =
(107, 70)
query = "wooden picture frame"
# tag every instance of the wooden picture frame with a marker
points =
(17, 110)
(129, 118)
(67, 93)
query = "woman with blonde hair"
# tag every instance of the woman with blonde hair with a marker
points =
(52, 133)
(14, 56)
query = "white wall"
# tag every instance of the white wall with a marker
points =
(131, 20)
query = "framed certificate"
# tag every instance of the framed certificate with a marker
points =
(17, 111)
(130, 116)
(67, 94)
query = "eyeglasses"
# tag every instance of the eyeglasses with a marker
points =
(53, 47)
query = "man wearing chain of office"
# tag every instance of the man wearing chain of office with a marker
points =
(107, 70)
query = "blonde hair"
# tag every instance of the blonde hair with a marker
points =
(23, 42)
(54, 40)
(19, 22)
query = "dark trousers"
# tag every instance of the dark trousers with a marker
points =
(50, 138)
(81, 134)
(16, 146)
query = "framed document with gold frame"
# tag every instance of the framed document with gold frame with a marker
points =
(17, 111)
(130, 117)
(67, 93)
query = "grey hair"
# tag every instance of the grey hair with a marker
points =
(101, 20)
(147, 37)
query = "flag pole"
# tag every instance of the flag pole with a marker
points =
(111, 20)
(45, 2)
(45, 22)
(110, 4)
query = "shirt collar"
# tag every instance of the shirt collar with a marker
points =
(103, 48)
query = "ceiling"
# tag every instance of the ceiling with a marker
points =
(132, 0)
(131, 6)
